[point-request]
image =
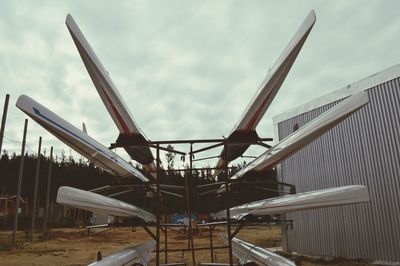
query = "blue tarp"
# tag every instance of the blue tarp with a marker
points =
(180, 218)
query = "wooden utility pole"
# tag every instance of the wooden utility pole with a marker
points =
(3, 121)
(35, 189)
(46, 209)
(20, 172)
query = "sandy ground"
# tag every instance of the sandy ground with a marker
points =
(74, 247)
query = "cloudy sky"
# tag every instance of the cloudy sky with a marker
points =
(186, 69)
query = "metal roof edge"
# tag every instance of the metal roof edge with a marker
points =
(364, 84)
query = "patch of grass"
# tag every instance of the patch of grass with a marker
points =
(21, 238)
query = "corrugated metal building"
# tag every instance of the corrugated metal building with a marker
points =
(364, 149)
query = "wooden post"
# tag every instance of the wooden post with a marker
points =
(51, 213)
(6, 214)
(35, 189)
(26, 206)
(2, 128)
(20, 172)
(46, 209)
(3, 121)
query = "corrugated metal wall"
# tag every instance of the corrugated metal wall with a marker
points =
(364, 149)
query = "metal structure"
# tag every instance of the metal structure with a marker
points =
(105, 205)
(365, 147)
(188, 189)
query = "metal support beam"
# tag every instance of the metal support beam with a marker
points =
(35, 188)
(228, 203)
(47, 202)
(20, 172)
(211, 243)
(208, 148)
(149, 231)
(166, 149)
(200, 248)
(166, 244)
(262, 144)
(188, 198)
(240, 226)
(158, 208)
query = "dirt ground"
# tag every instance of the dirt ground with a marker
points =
(74, 247)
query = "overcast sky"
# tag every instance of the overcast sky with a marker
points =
(186, 69)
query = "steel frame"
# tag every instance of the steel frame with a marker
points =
(188, 191)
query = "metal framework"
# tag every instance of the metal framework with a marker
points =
(188, 190)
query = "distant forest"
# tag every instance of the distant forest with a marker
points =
(66, 171)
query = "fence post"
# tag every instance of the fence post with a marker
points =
(20, 172)
(3, 121)
(34, 204)
(46, 209)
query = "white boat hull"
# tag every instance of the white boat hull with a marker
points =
(302, 201)
(100, 204)
(140, 254)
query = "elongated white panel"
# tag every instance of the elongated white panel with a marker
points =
(109, 94)
(140, 254)
(78, 140)
(247, 252)
(96, 203)
(301, 201)
(306, 134)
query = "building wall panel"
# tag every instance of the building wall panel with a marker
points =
(363, 149)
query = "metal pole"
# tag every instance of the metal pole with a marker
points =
(35, 189)
(46, 209)
(187, 192)
(158, 208)
(3, 121)
(166, 244)
(211, 244)
(20, 172)
(190, 208)
(228, 202)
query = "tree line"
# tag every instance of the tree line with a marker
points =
(67, 171)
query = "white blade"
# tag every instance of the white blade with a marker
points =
(301, 201)
(140, 254)
(78, 140)
(306, 134)
(96, 203)
(109, 94)
(270, 86)
(247, 252)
